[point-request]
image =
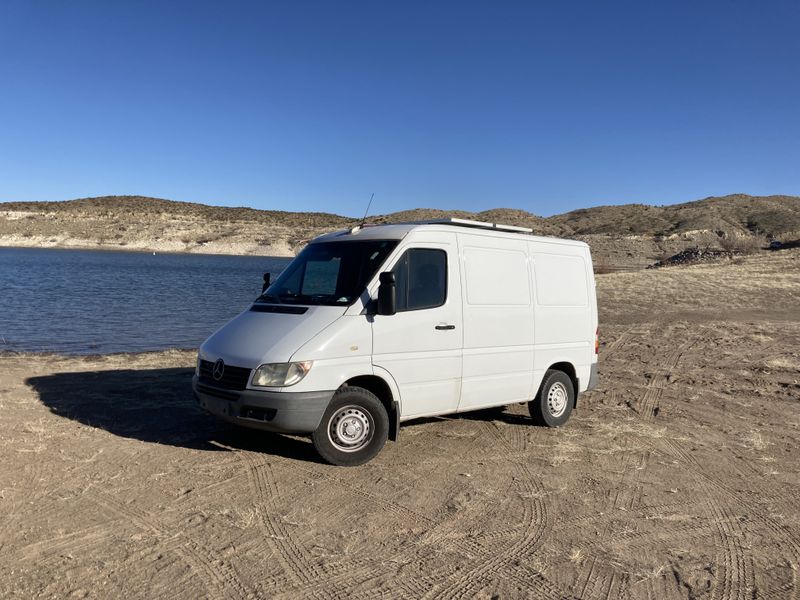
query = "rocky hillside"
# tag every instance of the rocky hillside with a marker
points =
(626, 236)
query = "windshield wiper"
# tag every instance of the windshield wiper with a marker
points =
(295, 298)
(269, 298)
(312, 299)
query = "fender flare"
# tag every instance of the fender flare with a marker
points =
(397, 403)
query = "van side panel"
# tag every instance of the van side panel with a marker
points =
(564, 312)
(498, 321)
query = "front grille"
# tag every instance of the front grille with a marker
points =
(233, 378)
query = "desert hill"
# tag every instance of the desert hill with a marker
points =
(624, 236)
(736, 214)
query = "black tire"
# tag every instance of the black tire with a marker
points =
(356, 412)
(553, 404)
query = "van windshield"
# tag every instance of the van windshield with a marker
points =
(329, 273)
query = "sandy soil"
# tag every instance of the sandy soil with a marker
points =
(677, 478)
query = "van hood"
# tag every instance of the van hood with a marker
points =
(254, 338)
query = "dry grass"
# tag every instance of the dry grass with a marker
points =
(761, 282)
(749, 244)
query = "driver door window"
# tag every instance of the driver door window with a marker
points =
(421, 279)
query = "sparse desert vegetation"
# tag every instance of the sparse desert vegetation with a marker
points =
(679, 477)
(622, 237)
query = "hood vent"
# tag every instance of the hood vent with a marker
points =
(278, 308)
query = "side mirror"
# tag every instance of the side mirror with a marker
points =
(266, 283)
(387, 294)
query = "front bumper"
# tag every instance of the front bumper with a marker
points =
(285, 412)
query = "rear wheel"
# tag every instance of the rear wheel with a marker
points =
(353, 429)
(553, 404)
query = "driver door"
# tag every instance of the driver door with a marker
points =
(421, 345)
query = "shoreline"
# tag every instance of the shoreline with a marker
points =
(142, 246)
(134, 250)
(93, 356)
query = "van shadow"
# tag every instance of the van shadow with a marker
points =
(498, 413)
(155, 406)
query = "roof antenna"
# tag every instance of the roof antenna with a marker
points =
(364, 220)
(358, 227)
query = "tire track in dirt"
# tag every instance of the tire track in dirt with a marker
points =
(167, 555)
(533, 527)
(755, 512)
(637, 540)
(439, 533)
(74, 545)
(356, 573)
(629, 490)
(349, 487)
(593, 580)
(729, 530)
(216, 574)
(27, 494)
(294, 559)
(651, 401)
(535, 521)
(32, 495)
(626, 490)
(623, 339)
(26, 505)
(46, 550)
(736, 578)
(766, 492)
(737, 569)
(313, 580)
(601, 583)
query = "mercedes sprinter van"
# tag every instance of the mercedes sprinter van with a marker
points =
(376, 325)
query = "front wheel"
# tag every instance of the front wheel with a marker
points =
(553, 404)
(353, 429)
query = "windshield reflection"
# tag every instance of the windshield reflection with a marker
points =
(329, 273)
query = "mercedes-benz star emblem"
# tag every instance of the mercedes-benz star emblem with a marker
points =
(219, 369)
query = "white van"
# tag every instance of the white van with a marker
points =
(376, 325)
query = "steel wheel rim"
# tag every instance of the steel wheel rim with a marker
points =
(557, 399)
(350, 428)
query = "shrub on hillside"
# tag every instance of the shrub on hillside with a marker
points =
(745, 244)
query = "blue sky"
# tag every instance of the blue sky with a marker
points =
(544, 106)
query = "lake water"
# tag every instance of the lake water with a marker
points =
(99, 302)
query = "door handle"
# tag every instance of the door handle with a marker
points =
(445, 327)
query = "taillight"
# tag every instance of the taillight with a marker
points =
(597, 341)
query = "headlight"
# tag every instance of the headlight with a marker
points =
(281, 374)
(197, 366)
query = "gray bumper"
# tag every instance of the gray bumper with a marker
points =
(594, 378)
(285, 412)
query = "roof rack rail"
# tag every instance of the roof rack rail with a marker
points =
(477, 224)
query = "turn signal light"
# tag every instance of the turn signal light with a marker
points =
(597, 341)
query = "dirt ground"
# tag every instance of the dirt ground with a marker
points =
(677, 478)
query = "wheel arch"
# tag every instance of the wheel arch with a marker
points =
(568, 369)
(383, 391)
